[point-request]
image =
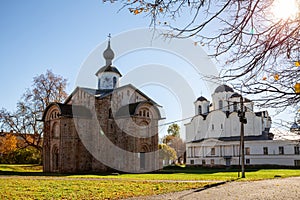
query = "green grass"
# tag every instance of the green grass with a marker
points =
(27, 182)
(53, 188)
(203, 175)
(21, 168)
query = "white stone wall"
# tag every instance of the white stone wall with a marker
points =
(218, 125)
(204, 105)
(224, 97)
(197, 152)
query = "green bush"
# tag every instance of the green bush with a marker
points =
(27, 155)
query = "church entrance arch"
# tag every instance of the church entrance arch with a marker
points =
(55, 158)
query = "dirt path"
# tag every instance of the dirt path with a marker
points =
(285, 188)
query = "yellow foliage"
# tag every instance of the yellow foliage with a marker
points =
(297, 63)
(297, 88)
(8, 143)
(138, 11)
(276, 77)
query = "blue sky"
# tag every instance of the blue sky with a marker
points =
(37, 35)
(58, 35)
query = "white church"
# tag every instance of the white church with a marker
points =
(213, 134)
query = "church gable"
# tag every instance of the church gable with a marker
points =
(130, 94)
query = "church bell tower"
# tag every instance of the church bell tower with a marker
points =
(108, 75)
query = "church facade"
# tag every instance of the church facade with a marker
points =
(213, 134)
(105, 129)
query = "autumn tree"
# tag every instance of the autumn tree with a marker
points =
(174, 130)
(257, 42)
(25, 121)
(8, 143)
(167, 153)
(173, 140)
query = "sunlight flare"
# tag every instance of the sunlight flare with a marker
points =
(285, 9)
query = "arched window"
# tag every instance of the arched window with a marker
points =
(144, 112)
(114, 82)
(199, 110)
(55, 130)
(220, 104)
(235, 106)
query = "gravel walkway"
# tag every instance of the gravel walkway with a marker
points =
(280, 188)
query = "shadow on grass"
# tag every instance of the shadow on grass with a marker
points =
(166, 170)
(201, 170)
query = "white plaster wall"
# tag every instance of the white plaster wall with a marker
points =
(214, 121)
(205, 106)
(201, 127)
(190, 134)
(232, 100)
(109, 75)
(224, 96)
(233, 125)
(256, 152)
(254, 125)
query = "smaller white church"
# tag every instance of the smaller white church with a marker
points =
(213, 134)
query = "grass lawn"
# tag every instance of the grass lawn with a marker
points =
(52, 188)
(20, 168)
(27, 182)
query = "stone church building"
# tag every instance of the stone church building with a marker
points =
(111, 128)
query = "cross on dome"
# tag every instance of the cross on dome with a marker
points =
(108, 54)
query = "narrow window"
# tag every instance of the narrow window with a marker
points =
(142, 160)
(212, 161)
(281, 150)
(109, 114)
(212, 127)
(99, 83)
(220, 104)
(192, 162)
(199, 110)
(203, 162)
(297, 151)
(222, 126)
(266, 151)
(247, 149)
(247, 161)
(212, 151)
(114, 82)
(235, 106)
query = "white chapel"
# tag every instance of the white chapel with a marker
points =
(213, 134)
